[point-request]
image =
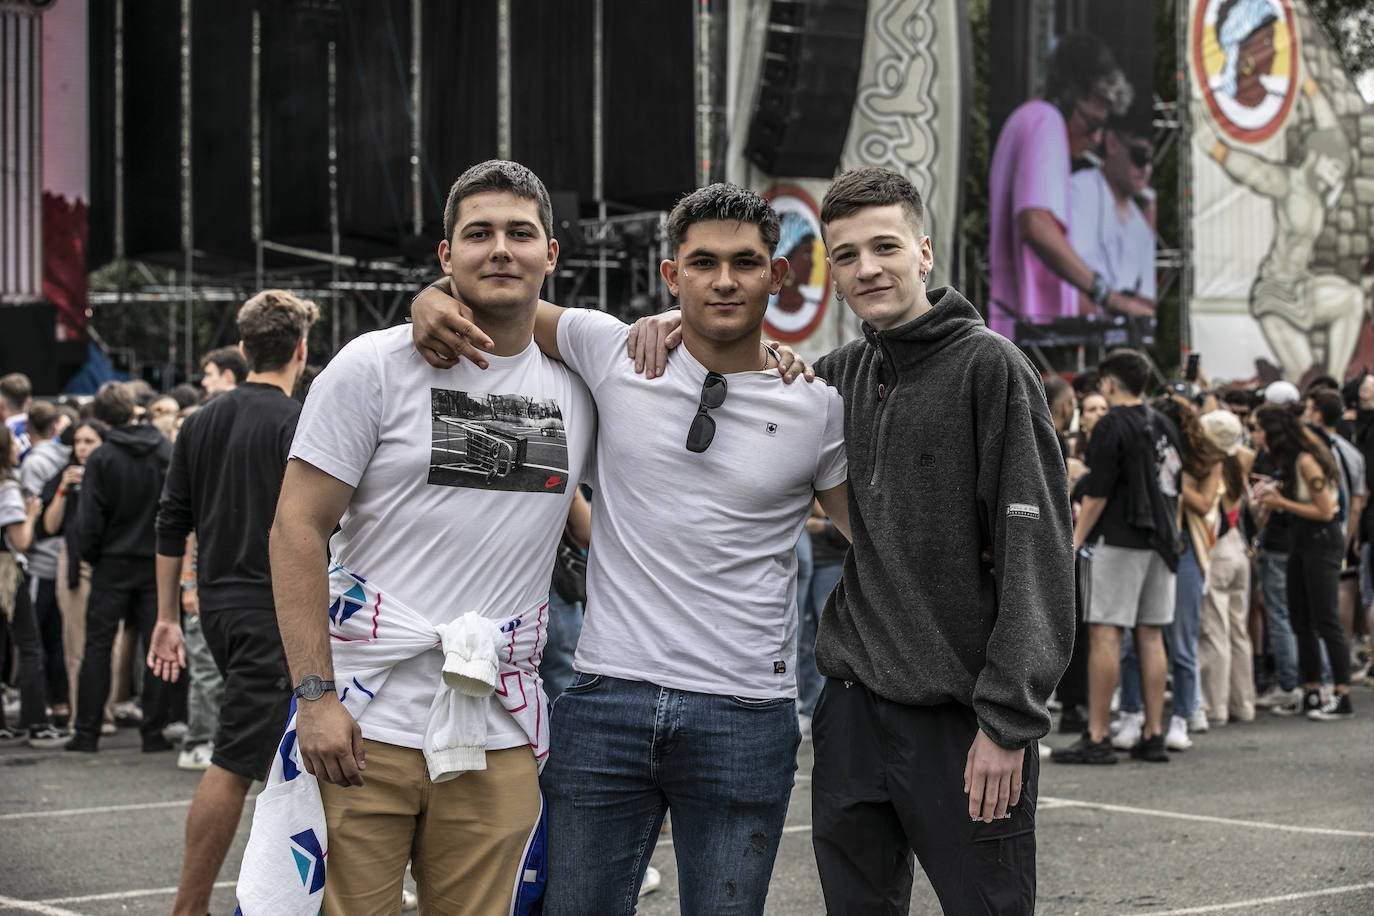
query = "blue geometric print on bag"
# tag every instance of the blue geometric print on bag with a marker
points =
(311, 861)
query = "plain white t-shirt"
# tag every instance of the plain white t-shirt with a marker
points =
(462, 483)
(1122, 252)
(691, 578)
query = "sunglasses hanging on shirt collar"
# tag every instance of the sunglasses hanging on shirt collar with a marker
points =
(703, 428)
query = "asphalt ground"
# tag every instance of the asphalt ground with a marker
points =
(1273, 818)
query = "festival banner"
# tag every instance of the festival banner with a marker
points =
(908, 116)
(1282, 195)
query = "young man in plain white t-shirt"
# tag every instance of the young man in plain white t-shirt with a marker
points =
(684, 696)
(450, 489)
(1106, 225)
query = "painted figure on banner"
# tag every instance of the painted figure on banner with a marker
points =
(795, 311)
(1310, 314)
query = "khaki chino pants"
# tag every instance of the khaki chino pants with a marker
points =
(465, 837)
(1225, 656)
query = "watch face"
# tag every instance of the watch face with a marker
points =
(311, 687)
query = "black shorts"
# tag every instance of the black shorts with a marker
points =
(247, 649)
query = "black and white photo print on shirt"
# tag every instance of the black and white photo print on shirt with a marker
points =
(510, 442)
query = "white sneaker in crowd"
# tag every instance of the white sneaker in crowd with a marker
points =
(1197, 722)
(127, 714)
(1128, 735)
(175, 732)
(1177, 739)
(1277, 696)
(197, 758)
(652, 881)
(108, 728)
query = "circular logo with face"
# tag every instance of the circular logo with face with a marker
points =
(800, 305)
(1245, 60)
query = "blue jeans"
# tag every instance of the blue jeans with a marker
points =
(1273, 567)
(625, 752)
(1181, 638)
(565, 627)
(809, 607)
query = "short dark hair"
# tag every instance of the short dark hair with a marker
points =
(271, 324)
(113, 404)
(185, 395)
(1056, 390)
(1087, 382)
(16, 389)
(723, 201)
(142, 391)
(42, 417)
(69, 434)
(1328, 404)
(1083, 66)
(227, 358)
(1323, 382)
(498, 175)
(1241, 397)
(1129, 368)
(859, 189)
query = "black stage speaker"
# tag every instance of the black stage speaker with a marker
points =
(812, 56)
(28, 344)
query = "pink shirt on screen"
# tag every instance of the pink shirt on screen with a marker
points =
(1030, 169)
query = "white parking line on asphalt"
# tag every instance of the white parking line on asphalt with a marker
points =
(33, 906)
(1261, 901)
(105, 809)
(1052, 803)
(127, 895)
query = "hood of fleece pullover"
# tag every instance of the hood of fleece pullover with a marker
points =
(950, 317)
(137, 439)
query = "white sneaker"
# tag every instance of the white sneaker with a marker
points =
(1277, 696)
(175, 732)
(1128, 736)
(1197, 722)
(197, 758)
(652, 881)
(1177, 739)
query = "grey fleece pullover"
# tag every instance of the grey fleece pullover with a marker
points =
(951, 452)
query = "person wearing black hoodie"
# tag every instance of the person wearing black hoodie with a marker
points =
(939, 664)
(115, 533)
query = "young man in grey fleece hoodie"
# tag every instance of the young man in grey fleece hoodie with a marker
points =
(939, 664)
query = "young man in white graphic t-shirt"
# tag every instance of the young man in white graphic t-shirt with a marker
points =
(450, 489)
(684, 696)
